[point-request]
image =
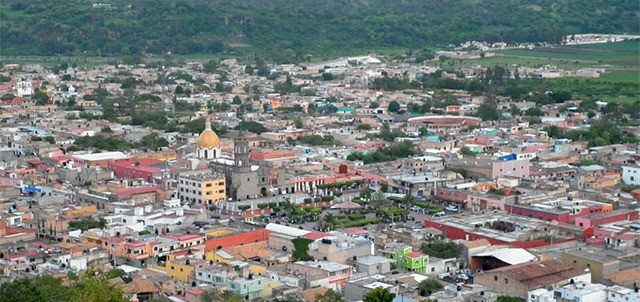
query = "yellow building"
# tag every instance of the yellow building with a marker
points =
(80, 211)
(183, 269)
(201, 186)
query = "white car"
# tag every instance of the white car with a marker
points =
(452, 209)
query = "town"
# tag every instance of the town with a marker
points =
(417, 177)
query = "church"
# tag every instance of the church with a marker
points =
(244, 179)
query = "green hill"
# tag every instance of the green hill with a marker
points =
(287, 29)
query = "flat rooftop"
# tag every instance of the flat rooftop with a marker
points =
(479, 224)
(101, 156)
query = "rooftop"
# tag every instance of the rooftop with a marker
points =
(101, 156)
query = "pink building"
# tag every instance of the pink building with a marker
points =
(593, 221)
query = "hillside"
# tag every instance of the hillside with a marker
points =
(286, 29)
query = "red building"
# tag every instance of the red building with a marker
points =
(559, 215)
(593, 221)
(136, 168)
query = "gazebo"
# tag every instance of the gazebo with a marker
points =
(348, 207)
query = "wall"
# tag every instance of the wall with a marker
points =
(537, 214)
(631, 175)
(238, 239)
(598, 269)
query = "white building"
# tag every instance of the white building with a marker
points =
(582, 292)
(541, 295)
(24, 89)
(622, 294)
(631, 175)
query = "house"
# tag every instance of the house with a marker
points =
(406, 258)
(518, 280)
(372, 265)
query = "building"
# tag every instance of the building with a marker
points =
(581, 292)
(422, 184)
(372, 265)
(595, 220)
(323, 273)
(595, 261)
(237, 277)
(631, 175)
(341, 249)
(202, 187)
(97, 159)
(492, 168)
(208, 143)
(518, 280)
(405, 258)
(245, 180)
(618, 293)
(504, 229)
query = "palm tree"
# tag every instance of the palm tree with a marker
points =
(378, 199)
(379, 295)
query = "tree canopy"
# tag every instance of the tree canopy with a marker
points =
(287, 30)
(379, 295)
(89, 287)
(441, 249)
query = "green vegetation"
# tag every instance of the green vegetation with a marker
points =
(441, 249)
(218, 295)
(285, 31)
(251, 126)
(300, 249)
(429, 286)
(629, 188)
(92, 286)
(621, 53)
(319, 140)
(330, 296)
(599, 134)
(103, 141)
(88, 223)
(379, 295)
(390, 153)
(509, 299)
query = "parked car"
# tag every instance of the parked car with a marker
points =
(452, 208)
(439, 214)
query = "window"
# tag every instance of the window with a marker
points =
(495, 278)
(173, 267)
(209, 185)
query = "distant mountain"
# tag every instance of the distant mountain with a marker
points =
(286, 29)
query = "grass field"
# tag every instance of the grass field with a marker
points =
(621, 99)
(520, 61)
(622, 54)
(621, 77)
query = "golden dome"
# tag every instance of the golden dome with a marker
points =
(208, 139)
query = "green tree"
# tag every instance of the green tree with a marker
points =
(441, 249)
(509, 299)
(8, 97)
(379, 295)
(488, 110)
(393, 107)
(330, 296)
(217, 295)
(534, 111)
(428, 286)
(327, 76)
(466, 151)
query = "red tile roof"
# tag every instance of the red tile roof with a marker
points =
(315, 235)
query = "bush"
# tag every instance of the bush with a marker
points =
(327, 198)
